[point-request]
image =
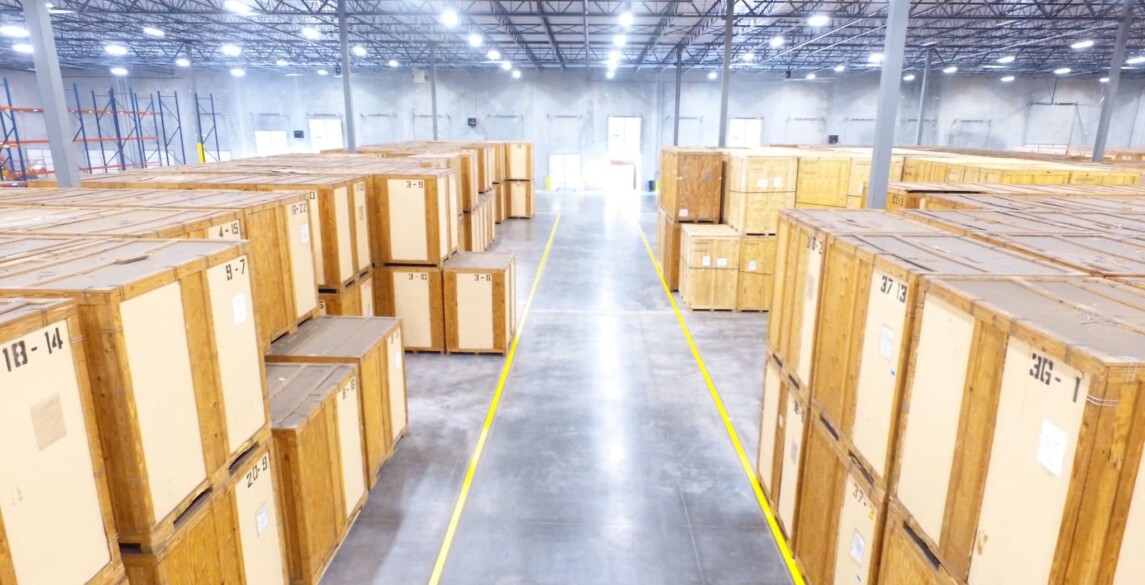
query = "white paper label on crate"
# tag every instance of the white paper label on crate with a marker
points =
(778, 182)
(1051, 447)
(706, 261)
(306, 234)
(261, 519)
(239, 305)
(751, 265)
(886, 342)
(683, 213)
(857, 546)
(761, 184)
(721, 262)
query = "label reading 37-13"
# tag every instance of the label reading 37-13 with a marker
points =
(18, 353)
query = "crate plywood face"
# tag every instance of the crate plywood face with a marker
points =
(413, 221)
(823, 181)
(691, 184)
(793, 426)
(519, 161)
(709, 288)
(905, 558)
(820, 495)
(1096, 254)
(521, 199)
(415, 295)
(769, 438)
(749, 173)
(756, 213)
(480, 310)
(52, 453)
(668, 249)
(356, 300)
(860, 530)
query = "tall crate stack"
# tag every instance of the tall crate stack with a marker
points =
(691, 191)
(519, 175)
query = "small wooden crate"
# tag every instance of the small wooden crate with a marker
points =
(501, 201)
(756, 213)
(519, 161)
(668, 249)
(43, 220)
(521, 199)
(355, 300)
(709, 266)
(781, 434)
(320, 459)
(480, 303)
(170, 314)
(692, 183)
(767, 170)
(906, 559)
(413, 294)
(412, 218)
(374, 346)
(53, 453)
(1030, 383)
(756, 273)
(824, 180)
(236, 536)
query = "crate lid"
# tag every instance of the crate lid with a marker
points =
(853, 221)
(16, 309)
(1099, 254)
(479, 261)
(949, 254)
(335, 337)
(709, 230)
(108, 221)
(297, 391)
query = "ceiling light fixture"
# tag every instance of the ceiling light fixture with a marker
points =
(615, 55)
(876, 58)
(493, 55)
(282, 63)
(310, 33)
(118, 71)
(712, 75)
(1007, 59)
(154, 32)
(776, 42)
(1103, 80)
(516, 74)
(611, 65)
(449, 18)
(818, 20)
(908, 77)
(323, 72)
(620, 40)
(1062, 70)
(950, 69)
(231, 50)
(810, 76)
(238, 72)
(1008, 79)
(237, 7)
(22, 48)
(1135, 60)
(625, 19)
(610, 74)
(359, 51)
(182, 62)
(507, 65)
(749, 56)
(840, 68)
(14, 31)
(475, 40)
(393, 63)
(1082, 45)
(294, 75)
(115, 50)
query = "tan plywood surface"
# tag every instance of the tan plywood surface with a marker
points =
(475, 310)
(794, 423)
(406, 217)
(395, 372)
(343, 216)
(240, 377)
(412, 301)
(302, 256)
(351, 449)
(258, 525)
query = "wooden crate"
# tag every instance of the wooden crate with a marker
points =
(692, 183)
(1031, 383)
(170, 314)
(501, 201)
(53, 452)
(863, 336)
(412, 219)
(282, 260)
(414, 294)
(1108, 255)
(480, 303)
(521, 199)
(374, 345)
(904, 196)
(320, 461)
(824, 180)
(770, 170)
(756, 213)
(489, 217)
(800, 247)
(234, 537)
(906, 558)
(500, 159)
(781, 434)
(519, 161)
(214, 224)
(756, 273)
(355, 300)
(709, 266)
(668, 249)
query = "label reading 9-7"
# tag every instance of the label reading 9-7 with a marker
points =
(235, 268)
(17, 354)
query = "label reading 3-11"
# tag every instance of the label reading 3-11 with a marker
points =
(17, 354)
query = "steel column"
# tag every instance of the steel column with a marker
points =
(51, 85)
(679, 86)
(433, 86)
(922, 98)
(1114, 79)
(729, 21)
(887, 113)
(347, 86)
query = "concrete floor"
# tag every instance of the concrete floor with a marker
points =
(608, 462)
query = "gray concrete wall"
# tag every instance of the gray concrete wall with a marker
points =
(568, 112)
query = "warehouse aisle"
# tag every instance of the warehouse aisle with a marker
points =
(608, 462)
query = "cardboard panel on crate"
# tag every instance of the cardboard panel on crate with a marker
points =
(53, 455)
(519, 161)
(480, 302)
(374, 345)
(171, 314)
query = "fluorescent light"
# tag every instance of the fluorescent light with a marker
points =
(1006, 59)
(359, 50)
(876, 58)
(475, 40)
(507, 65)
(115, 50)
(282, 63)
(22, 48)
(950, 69)
(749, 57)
(1062, 70)
(776, 42)
(310, 33)
(449, 18)
(610, 74)
(713, 75)
(493, 55)
(818, 20)
(182, 62)
(393, 63)
(53, 10)
(1103, 80)
(323, 72)
(118, 71)
(625, 19)
(620, 40)
(14, 31)
(840, 68)
(810, 76)
(612, 65)
(237, 7)
(1008, 79)
(908, 77)
(231, 50)
(153, 32)
(238, 72)
(1135, 60)
(516, 74)
(615, 55)
(294, 75)
(1082, 44)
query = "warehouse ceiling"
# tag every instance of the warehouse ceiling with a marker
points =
(302, 35)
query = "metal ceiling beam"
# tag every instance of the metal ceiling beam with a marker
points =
(549, 33)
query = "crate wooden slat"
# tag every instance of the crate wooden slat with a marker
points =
(480, 302)
(412, 219)
(355, 300)
(415, 295)
(668, 249)
(756, 273)
(170, 314)
(824, 180)
(234, 537)
(906, 560)
(320, 461)
(766, 170)
(521, 199)
(374, 346)
(1031, 383)
(53, 452)
(692, 183)
(501, 201)
(780, 444)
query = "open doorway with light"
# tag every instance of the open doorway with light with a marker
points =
(623, 170)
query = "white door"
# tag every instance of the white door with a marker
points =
(270, 142)
(564, 172)
(745, 132)
(623, 152)
(325, 134)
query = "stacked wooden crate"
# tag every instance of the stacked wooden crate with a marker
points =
(519, 178)
(691, 191)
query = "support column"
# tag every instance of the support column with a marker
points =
(729, 19)
(1114, 80)
(200, 151)
(51, 85)
(887, 113)
(347, 85)
(433, 86)
(679, 85)
(922, 98)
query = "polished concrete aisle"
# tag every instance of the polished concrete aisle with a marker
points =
(608, 462)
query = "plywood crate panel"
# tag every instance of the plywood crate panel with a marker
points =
(782, 433)
(501, 201)
(906, 560)
(480, 302)
(668, 249)
(500, 159)
(756, 213)
(863, 335)
(217, 224)
(412, 218)
(488, 214)
(709, 288)
(521, 199)
(234, 537)
(355, 300)
(769, 170)
(320, 461)
(53, 453)
(1031, 383)
(1107, 255)
(170, 314)
(519, 161)
(903, 196)
(709, 246)
(374, 346)
(800, 247)
(823, 181)
(988, 222)
(415, 295)
(756, 273)
(692, 183)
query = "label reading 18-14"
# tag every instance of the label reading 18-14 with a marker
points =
(18, 353)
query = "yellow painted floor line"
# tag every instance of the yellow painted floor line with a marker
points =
(459, 507)
(784, 550)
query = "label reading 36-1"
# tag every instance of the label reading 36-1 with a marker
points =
(17, 354)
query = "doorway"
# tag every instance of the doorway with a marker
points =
(623, 153)
(325, 134)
